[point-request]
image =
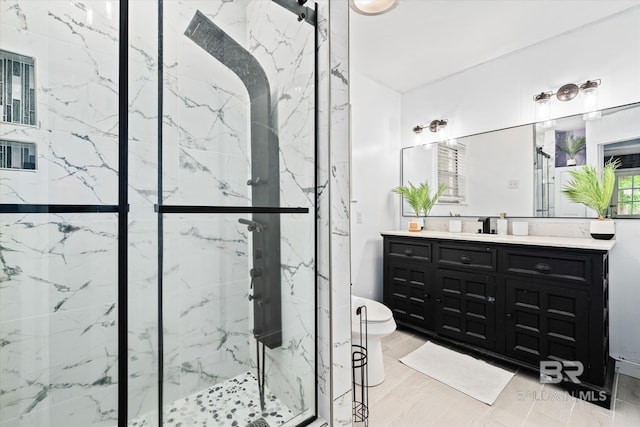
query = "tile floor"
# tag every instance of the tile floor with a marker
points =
(408, 398)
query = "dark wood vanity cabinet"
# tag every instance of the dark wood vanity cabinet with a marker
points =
(522, 304)
(546, 321)
(465, 307)
(409, 293)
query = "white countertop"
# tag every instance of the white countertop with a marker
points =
(560, 242)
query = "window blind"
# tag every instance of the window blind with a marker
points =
(452, 172)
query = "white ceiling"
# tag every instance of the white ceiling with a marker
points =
(422, 41)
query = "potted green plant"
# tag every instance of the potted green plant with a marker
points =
(595, 192)
(420, 199)
(572, 146)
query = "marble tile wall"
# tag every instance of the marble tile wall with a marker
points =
(56, 294)
(75, 45)
(325, 401)
(205, 162)
(339, 188)
(143, 350)
(58, 273)
(142, 355)
(288, 61)
(207, 159)
(334, 324)
(206, 147)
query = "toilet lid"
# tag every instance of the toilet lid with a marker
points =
(377, 312)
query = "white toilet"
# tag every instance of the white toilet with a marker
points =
(380, 323)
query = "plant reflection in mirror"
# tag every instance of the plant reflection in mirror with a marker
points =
(420, 198)
(591, 190)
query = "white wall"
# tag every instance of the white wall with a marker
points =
(498, 94)
(375, 159)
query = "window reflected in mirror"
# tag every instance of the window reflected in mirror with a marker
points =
(626, 196)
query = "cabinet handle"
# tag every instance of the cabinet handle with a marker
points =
(438, 300)
(509, 315)
(408, 252)
(542, 267)
(427, 296)
(465, 259)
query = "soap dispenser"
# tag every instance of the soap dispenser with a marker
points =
(503, 223)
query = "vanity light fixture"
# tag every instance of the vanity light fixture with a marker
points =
(567, 93)
(435, 126)
(372, 7)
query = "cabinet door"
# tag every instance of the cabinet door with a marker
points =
(546, 321)
(408, 292)
(465, 307)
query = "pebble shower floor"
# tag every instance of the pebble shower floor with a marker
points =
(235, 402)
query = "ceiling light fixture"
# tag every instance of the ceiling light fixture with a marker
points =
(372, 7)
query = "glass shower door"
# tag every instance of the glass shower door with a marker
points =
(237, 209)
(60, 214)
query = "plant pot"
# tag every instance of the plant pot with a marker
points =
(415, 225)
(603, 229)
(571, 162)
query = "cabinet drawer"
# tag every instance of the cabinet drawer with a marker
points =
(410, 249)
(478, 257)
(553, 264)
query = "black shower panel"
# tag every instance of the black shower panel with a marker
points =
(265, 175)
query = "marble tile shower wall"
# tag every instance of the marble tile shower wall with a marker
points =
(339, 186)
(143, 348)
(75, 45)
(334, 328)
(324, 355)
(58, 295)
(207, 162)
(76, 56)
(288, 60)
(58, 273)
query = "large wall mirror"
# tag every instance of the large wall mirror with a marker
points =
(522, 170)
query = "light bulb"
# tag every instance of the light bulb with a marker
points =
(590, 99)
(443, 133)
(542, 110)
(589, 93)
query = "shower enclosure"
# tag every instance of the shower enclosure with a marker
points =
(157, 213)
(544, 183)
